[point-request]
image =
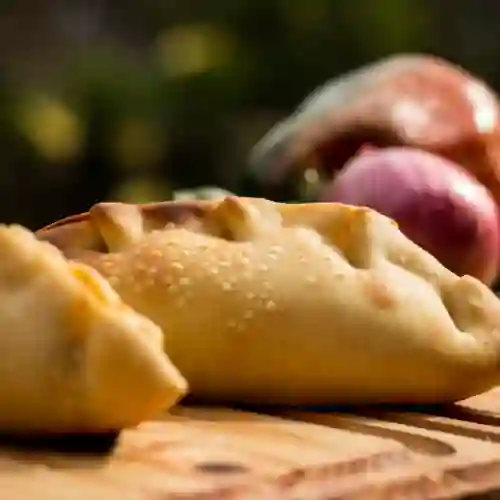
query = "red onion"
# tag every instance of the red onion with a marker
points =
(435, 202)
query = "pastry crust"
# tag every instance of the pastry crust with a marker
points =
(75, 357)
(276, 303)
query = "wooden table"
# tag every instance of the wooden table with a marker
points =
(208, 453)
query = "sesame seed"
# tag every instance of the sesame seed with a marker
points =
(248, 314)
(270, 305)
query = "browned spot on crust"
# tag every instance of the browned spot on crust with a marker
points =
(378, 292)
(175, 212)
(78, 233)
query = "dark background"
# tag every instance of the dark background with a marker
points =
(127, 100)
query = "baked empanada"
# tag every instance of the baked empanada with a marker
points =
(293, 303)
(75, 358)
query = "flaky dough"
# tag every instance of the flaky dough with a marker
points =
(293, 303)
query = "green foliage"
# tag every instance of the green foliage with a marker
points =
(173, 95)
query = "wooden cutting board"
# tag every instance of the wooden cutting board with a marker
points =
(208, 453)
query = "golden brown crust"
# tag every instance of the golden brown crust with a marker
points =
(78, 232)
(293, 303)
(75, 357)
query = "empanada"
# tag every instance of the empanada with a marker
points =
(75, 358)
(293, 303)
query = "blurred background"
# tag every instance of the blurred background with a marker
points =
(129, 100)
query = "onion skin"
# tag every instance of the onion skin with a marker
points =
(413, 100)
(436, 203)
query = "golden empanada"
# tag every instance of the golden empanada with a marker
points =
(293, 303)
(75, 358)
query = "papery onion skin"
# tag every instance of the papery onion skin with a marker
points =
(413, 100)
(435, 202)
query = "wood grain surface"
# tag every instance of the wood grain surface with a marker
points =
(207, 453)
